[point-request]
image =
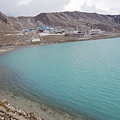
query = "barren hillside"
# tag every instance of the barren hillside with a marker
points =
(81, 20)
(75, 19)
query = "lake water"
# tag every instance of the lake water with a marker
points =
(81, 78)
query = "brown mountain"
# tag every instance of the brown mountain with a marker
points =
(5, 23)
(81, 20)
(12, 24)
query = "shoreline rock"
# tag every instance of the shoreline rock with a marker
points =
(8, 111)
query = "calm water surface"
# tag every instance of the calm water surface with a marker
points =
(81, 78)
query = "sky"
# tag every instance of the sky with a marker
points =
(35, 7)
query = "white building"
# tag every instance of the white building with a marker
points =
(95, 31)
(36, 40)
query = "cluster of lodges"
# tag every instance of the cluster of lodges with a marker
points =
(66, 32)
(8, 112)
(80, 33)
(40, 29)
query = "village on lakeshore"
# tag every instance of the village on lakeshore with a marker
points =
(44, 30)
(45, 34)
(56, 27)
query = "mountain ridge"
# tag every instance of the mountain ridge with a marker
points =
(76, 19)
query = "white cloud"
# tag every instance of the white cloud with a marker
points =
(23, 2)
(34, 7)
(31, 7)
(98, 6)
(74, 5)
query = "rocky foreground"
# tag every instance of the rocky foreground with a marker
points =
(9, 112)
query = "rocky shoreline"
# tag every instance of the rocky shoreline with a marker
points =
(13, 108)
(9, 112)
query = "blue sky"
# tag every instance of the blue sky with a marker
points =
(34, 7)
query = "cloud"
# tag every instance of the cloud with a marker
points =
(23, 2)
(74, 5)
(87, 8)
(34, 7)
(31, 7)
(98, 6)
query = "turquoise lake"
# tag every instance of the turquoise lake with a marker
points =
(81, 78)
